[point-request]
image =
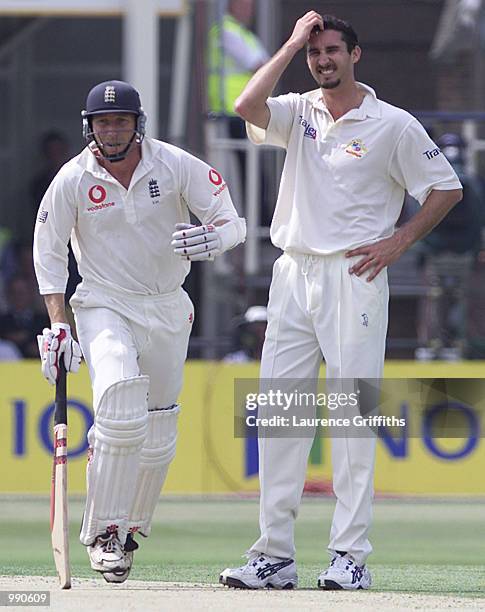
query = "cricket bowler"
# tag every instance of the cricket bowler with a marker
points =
(349, 159)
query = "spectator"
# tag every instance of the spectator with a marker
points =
(21, 323)
(249, 336)
(54, 149)
(234, 55)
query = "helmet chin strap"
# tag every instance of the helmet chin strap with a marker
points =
(116, 157)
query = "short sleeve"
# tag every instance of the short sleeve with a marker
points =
(282, 110)
(418, 165)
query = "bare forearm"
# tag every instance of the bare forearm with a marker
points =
(436, 207)
(385, 252)
(55, 307)
(251, 104)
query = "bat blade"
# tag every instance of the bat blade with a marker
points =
(59, 507)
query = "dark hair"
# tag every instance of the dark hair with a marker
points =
(349, 36)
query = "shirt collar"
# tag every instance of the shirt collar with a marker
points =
(368, 108)
(146, 162)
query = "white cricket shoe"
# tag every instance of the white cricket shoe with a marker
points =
(119, 576)
(344, 573)
(106, 553)
(262, 572)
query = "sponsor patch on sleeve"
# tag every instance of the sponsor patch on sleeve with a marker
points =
(214, 177)
(42, 216)
(432, 153)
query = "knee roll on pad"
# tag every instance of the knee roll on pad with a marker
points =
(117, 437)
(156, 455)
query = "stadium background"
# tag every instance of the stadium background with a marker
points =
(415, 58)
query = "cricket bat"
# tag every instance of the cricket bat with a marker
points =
(59, 513)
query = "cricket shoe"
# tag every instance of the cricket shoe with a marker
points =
(106, 553)
(262, 572)
(118, 576)
(344, 573)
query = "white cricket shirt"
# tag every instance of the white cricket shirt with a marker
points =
(343, 181)
(121, 238)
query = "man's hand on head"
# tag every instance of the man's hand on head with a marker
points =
(304, 27)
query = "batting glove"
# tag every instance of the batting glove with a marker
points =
(53, 344)
(204, 242)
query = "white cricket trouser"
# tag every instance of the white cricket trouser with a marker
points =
(123, 336)
(316, 307)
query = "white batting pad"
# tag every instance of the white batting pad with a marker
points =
(156, 455)
(116, 440)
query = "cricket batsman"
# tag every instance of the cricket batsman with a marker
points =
(124, 203)
(349, 159)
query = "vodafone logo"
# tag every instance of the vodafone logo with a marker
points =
(214, 177)
(97, 194)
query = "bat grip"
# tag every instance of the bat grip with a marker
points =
(60, 412)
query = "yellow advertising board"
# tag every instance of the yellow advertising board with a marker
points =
(210, 459)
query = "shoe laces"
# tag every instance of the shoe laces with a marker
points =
(255, 558)
(258, 560)
(110, 543)
(342, 562)
(346, 563)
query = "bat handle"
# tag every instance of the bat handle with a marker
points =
(61, 380)
(60, 413)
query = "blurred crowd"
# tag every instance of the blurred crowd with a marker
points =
(22, 310)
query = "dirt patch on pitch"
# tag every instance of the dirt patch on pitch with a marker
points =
(97, 596)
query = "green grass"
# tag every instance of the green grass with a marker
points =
(419, 547)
